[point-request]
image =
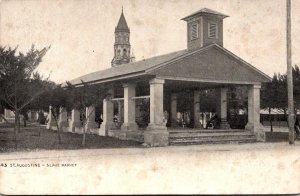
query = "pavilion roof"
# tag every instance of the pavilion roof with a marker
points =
(210, 63)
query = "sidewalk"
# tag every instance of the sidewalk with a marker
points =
(202, 169)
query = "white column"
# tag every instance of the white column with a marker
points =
(156, 104)
(196, 109)
(63, 119)
(50, 118)
(129, 123)
(174, 110)
(108, 114)
(75, 124)
(156, 134)
(224, 124)
(254, 112)
(91, 125)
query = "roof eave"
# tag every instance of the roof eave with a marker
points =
(115, 78)
(201, 14)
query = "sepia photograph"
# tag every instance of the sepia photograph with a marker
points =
(149, 97)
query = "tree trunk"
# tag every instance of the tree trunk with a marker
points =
(16, 128)
(285, 117)
(84, 136)
(58, 131)
(55, 116)
(19, 123)
(39, 129)
(270, 120)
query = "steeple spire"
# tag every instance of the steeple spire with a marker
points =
(122, 24)
(122, 43)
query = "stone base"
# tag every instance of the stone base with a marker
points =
(74, 125)
(78, 130)
(63, 126)
(129, 127)
(260, 136)
(91, 127)
(104, 127)
(50, 125)
(64, 129)
(256, 128)
(224, 124)
(174, 123)
(156, 138)
(127, 135)
(156, 135)
(258, 131)
(152, 127)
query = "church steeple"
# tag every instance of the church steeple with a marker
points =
(122, 43)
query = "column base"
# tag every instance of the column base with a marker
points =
(127, 135)
(224, 124)
(129, 127)
(258, 131)
(50, 125)
(91, 127)
(74, 125)
(156, 136)
(174, 123)
(104, 127)
(152, 127)
(63, 125)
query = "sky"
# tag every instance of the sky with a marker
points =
(81, 32)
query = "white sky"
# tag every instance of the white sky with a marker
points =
(81, 32)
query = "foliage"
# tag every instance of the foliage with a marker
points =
(19, 83)
(83, 97)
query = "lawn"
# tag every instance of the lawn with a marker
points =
(29, 140)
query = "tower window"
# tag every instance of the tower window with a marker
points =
(194, 31)
(124, 52)
(212, 30)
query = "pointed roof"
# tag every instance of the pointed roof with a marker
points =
(122, 24)
(204, 11)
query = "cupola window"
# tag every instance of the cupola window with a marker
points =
(194, 31)
(212, 30)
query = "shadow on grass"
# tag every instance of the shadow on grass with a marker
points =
(29, 140)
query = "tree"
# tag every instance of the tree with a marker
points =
(269, 97)
(85, 96)
(57, 98)
(19, 83)
(41, 103)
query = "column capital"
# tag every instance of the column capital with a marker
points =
(110, 94)
(174, 96)
(132, 85)
(157, 81)
(197, 92)
(255, 86)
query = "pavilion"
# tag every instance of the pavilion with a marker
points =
(205, 64)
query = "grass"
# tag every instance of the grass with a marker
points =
(29, 140)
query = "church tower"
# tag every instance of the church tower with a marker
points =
(122, 43)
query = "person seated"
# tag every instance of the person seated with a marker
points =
(211, 123)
